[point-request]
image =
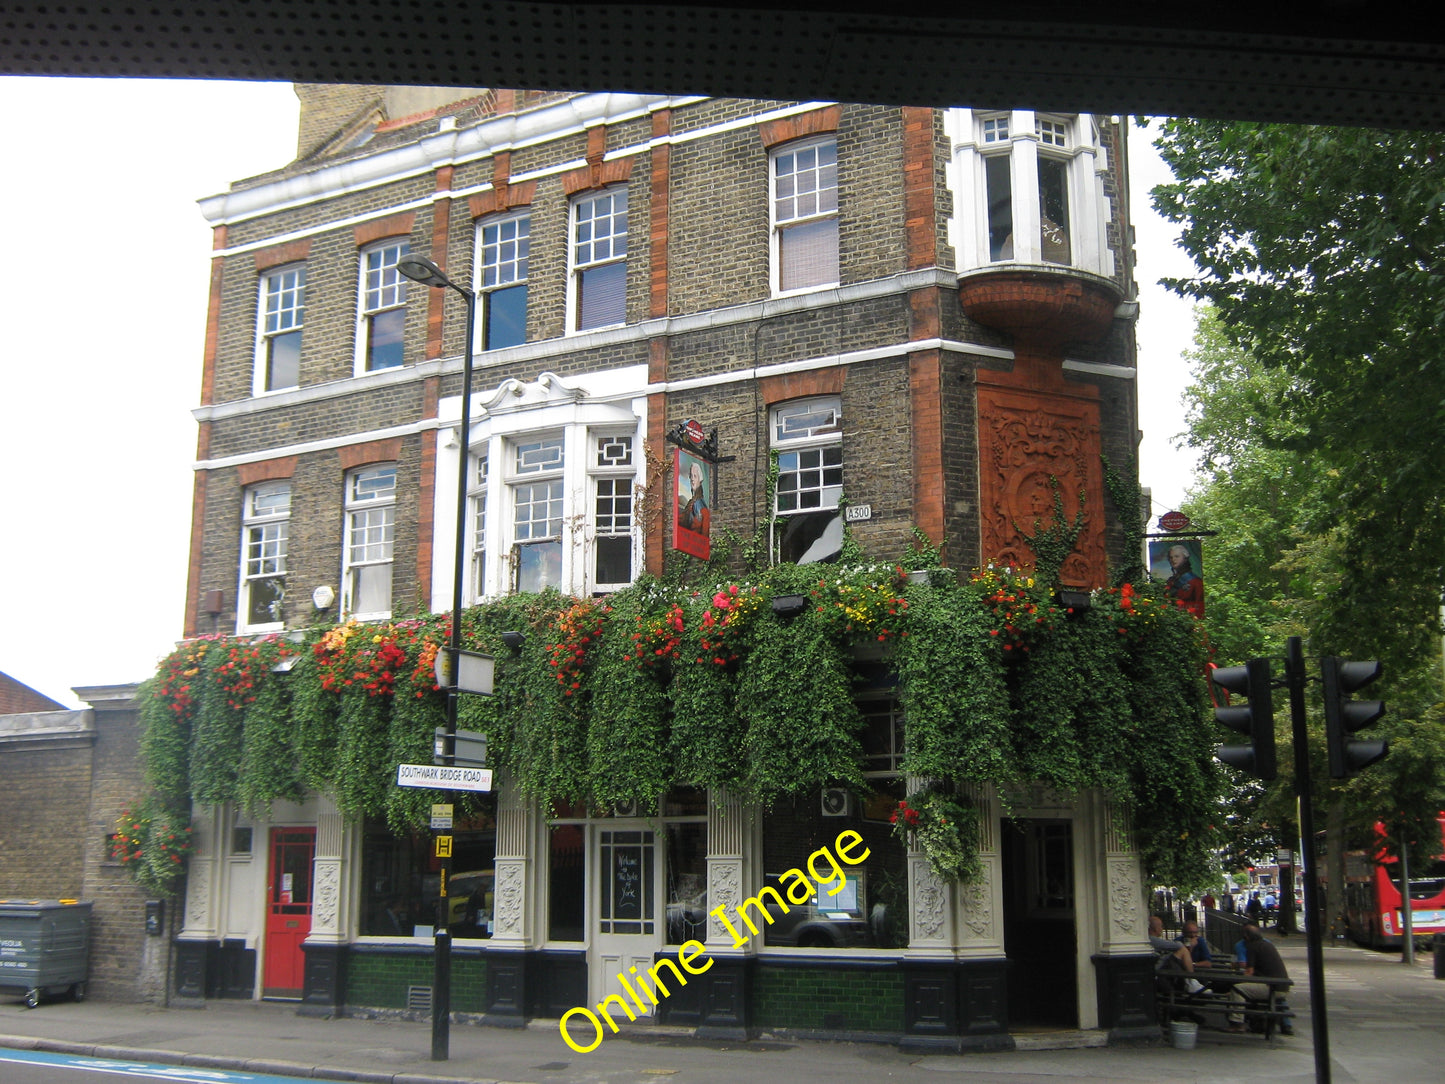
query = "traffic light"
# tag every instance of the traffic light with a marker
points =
(1344, 716)
(1255, 719)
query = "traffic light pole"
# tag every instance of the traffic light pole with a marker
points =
(1294, 668)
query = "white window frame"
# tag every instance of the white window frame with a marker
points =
(826, 440)
(495, 274)
(517, 477)
(621, 478)
(1032, 139)
(265, 538)
(379, 292)
(780, 224)
(477, 510)
(581, 260)
(290, 320)
(380, 534)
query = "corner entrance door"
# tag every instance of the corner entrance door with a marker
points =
(1038, 926)
(627, 930)
(288, 910)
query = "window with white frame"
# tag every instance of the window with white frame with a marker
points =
(536, 481)
(1005, 157)
(265, 516)
(599, 260)
(808, 438)
(477, 497)
(503, 245)
(382, 318)
(283, 311)
(612, 475)
(805, 215)
(370, 535)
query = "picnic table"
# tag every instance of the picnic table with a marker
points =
(1175, 1002)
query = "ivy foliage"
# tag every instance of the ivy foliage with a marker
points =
(748, 684)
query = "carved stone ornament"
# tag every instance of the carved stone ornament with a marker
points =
(724, 889)
(929, 903)
(1124, 903)
(198, 894)
(511, 893)
(326, 908)
(977, 897)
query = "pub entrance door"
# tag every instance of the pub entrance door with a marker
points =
(1038, 929)
(627, 926)
(288, 911)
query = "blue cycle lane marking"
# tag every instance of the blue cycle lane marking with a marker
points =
(182, 1074)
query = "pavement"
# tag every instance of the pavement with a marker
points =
(1385, 1027)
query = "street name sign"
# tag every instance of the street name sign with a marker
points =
(441, 777)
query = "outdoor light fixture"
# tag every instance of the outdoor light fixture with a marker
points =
(514, 641)
(788, 607)
(1074, 600)
(421, 270)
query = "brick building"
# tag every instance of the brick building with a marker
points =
(925, 308)
(65, 776)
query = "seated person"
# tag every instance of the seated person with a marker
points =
(1198, 947)
(1171, 956)
(1262, 959)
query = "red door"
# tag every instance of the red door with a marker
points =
(288, 910)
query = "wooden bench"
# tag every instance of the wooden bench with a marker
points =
(1175, 1002)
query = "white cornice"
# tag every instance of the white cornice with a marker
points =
(508, 132)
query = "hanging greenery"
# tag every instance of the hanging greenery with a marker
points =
(707, 684)
(944, 828)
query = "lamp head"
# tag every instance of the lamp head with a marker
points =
(420, 269)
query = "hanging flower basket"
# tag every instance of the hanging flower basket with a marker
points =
(944, 829)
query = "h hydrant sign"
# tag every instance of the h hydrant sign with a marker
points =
(441, 777)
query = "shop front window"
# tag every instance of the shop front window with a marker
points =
(401, 880)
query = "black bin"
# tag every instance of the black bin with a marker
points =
(44, 948)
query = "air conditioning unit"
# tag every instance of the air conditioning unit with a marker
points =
(624, 809)
(837, 802)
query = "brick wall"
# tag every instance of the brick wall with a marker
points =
(379, 980)
(828, 998)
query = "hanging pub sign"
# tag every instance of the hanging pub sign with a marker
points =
(1173, 521)
(694, 464)
(1179, 563)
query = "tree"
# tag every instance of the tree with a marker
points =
(1323, 252)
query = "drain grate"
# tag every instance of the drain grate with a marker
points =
(418, 998)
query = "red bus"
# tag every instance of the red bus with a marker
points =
(1374, 896)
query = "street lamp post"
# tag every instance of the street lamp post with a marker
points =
(421, 270)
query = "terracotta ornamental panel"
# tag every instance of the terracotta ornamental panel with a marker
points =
(1026, 439)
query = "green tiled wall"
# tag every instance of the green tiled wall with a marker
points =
(814, 997)
(379, 981)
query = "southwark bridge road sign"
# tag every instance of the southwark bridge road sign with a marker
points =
(441, 777)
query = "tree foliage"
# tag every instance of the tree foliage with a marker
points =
(1323, 252)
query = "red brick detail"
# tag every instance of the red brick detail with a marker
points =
(213, 320)
(655, 528)
(779, 389)
(268, 470)
(503, 198)
(191, 620)
(505, 101)
(657, 361)
(435, 302)
(16, 698)
(444, 178)
(276, 255)
(815, 122)
(596, 175)
(1027, 440)
(919, 217)
(372, 451)
(378, 229)
(923, 314)
(1046, 310)
(925, 390)
(661, 186)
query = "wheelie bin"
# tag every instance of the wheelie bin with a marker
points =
(44, 948)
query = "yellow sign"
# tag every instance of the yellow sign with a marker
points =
(444, 846)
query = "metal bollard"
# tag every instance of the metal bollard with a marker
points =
(1439, 943)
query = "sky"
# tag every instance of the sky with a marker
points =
(102, 323)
